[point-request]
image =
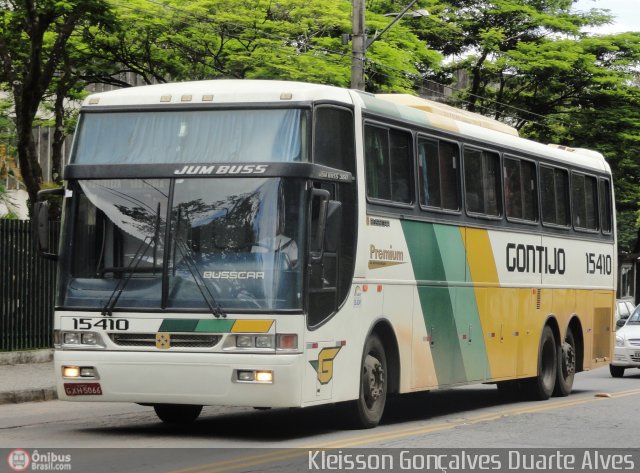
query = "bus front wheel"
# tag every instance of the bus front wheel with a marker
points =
(177, 413)
(541, 387)
(368, 408)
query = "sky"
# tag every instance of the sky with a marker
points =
(627, 13)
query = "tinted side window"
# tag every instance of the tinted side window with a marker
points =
(584, 190)
(520, 192)
(605, 205)
(439, 167)
(482, 182)
(334, 138)
(388, 159)
(554, 190)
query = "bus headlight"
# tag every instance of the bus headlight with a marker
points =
(619, 341)
(255, 341)
(254, 376)
(244, 341)
(72, 372)
(264, 341)
(89, 338)
(72, 339)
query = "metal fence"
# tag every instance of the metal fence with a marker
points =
(27, 286)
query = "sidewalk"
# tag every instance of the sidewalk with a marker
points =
(27, 376)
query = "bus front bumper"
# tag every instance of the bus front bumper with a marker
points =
(180, 378)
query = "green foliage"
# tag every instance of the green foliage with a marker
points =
(7, 202)
(290, 40)
(529, 63)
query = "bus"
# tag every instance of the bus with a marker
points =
(281, 244)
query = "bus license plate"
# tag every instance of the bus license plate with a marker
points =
(82, 389)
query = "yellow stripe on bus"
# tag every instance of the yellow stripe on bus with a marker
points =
(251, 326)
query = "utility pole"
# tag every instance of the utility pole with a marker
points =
(357, 45)
(359, 42)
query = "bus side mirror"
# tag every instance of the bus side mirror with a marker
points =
(40, 222)
(319, 209)
(621, 322)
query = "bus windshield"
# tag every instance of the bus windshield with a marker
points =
(192, 136)
(235, 244)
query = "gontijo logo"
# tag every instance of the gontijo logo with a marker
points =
(324, 364)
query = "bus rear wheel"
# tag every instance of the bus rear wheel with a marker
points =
(566, 366)
(541, 387)
(367, 410)
(177, 413)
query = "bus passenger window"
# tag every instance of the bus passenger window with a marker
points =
(585, 203)
(520, 193)
(401, 159)
(388, 158)
(429, 173)
(554, 190)
(377, 162)
(450, 175)
(605, 205)
(438, 161)
(482, 182)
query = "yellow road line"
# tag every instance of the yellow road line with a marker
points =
(262, 458)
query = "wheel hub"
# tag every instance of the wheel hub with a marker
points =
(374, 375)
(568, 360)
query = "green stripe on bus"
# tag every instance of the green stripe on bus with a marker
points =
(178, 325)
(215, 326)
(450, 313)
(467, 316)
(196, 325)
(436, 302)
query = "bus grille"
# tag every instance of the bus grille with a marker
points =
(634, 341)
(178, 340)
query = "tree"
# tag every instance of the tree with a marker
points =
(482, 37)
(292, 39)
(529, 63)
(33, 38)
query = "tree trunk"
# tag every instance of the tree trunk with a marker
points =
(58, 139)
(28, 158)
(476, 75)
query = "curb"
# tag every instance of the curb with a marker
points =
(28, 395)
(23, 357)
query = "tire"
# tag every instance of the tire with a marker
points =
(541, 387)
(177, 413)
(367, 410)
(566, 366)
(616, 371)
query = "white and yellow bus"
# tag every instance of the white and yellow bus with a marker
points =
(280, 244)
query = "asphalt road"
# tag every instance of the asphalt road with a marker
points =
(469, 417)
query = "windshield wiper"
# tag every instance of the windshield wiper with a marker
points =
(208, 297)
(132, 267)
